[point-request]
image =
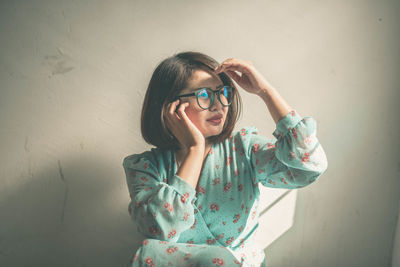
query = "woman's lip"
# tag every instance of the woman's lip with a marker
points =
(215, 121)
(216, 118)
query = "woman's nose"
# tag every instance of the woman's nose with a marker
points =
(216, 105)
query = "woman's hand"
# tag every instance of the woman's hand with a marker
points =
(182, 127)
(249, 78)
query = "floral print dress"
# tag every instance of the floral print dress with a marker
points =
(214, 224)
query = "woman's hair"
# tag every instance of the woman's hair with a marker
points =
(168, 79)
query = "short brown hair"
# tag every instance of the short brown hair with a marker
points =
(168, 79)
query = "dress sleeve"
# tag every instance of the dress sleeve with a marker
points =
(162, 211)
(294, 159)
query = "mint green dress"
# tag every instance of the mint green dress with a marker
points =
(214, 224)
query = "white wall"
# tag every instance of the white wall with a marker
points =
(72, 80)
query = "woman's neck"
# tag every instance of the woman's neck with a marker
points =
(181, 153)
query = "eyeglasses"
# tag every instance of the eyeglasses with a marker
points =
(205, 96)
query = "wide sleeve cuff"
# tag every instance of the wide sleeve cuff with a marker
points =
(183, 188)
(286, 123)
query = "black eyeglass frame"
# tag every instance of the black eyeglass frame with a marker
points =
(215, 92)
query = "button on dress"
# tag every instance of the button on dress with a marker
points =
(214, 224)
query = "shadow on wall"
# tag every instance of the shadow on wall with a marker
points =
(71, 214)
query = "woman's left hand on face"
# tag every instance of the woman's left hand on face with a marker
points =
(250, 79)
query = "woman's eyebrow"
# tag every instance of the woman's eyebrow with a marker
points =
(195, 89)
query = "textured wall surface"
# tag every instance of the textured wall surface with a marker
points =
(73, 75)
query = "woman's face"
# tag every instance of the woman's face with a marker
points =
(201, 117)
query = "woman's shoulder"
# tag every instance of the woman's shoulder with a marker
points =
(242, 133)
(153, 156)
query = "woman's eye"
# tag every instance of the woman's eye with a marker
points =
(203, 94)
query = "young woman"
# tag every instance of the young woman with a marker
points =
(195, 195)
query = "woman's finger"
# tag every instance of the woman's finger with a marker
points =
(172, 108)
(234, 75)
(181, 111)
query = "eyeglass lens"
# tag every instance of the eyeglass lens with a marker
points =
(205, 95)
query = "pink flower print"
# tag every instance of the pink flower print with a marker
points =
(243, 132)
(144, 179)
(146, 165)
(229, 241)
(294, 132)
(236, 218)
(256, 147)
(229, 160)
(201, 190)
(253, 214)
(190, 241)
(270, 145)
(292, 155)
(187, 256)
(231, 198)
(233, 148)
(220, 236)
(217, 167)
(211, 241)
(149, 260)
(242, 206)
(308, 140)
(200, 207)
(216, 181)
(283, 180)
(194, 224)
(147, 188)
(293, 113)
(138, 204)
(218, 261)
(186, 216)
(168, 206)
(271, 182)
(236, 262)
(172, 233)
(214, 207)
(305, 158)
(153, 230)
(247, 210)
(240, 229)
(240, 187)
(211, 151)
(223, 222)
(227, 187)
(171, 250)
(165, 180)
(184, 197)
(257, 161)
(163, 242)
(260, 170)
(145, 242)
(236, 172)
(132, 173)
